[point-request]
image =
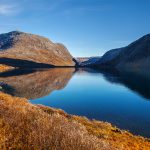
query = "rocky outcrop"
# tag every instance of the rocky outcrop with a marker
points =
(134, 56)
(33, 48)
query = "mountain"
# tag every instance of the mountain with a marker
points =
(134, 56)
(18, 46)
(85, 61)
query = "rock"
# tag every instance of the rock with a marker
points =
(33, 48)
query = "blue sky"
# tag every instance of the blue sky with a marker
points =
(86, 27)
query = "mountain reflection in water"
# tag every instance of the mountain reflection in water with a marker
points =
(35, 84)
(138, 81)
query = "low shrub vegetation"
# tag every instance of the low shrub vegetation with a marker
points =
(27, 126)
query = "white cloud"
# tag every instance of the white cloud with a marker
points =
(7, 9)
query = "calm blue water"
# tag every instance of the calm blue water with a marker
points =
(122, 99)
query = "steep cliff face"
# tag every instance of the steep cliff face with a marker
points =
(135, 55)
(34, 48)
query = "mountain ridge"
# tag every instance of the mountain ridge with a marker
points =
(31, 47)
(135, 55)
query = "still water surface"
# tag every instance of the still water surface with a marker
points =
(120, 98)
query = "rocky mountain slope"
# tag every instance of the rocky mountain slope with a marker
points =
(136, 55)
(33, 48)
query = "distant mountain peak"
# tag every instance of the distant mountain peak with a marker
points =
(135, 55)
(15, 32)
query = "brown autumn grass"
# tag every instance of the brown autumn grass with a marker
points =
(27, 126)
(119, 139)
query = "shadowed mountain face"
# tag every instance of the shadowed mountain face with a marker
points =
(33, 48)
(136, 55)
(18, 63)
(35, 84)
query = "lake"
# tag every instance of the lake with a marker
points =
(121, 98)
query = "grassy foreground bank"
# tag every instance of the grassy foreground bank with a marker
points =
(27, 126)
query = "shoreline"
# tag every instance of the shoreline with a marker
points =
(18, 117)
(21, 114)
